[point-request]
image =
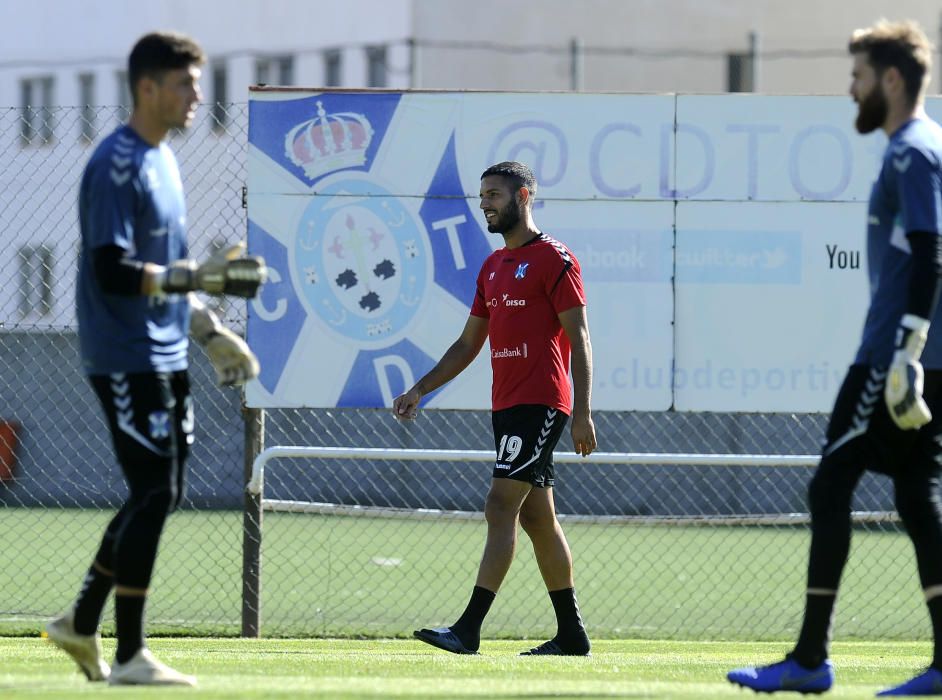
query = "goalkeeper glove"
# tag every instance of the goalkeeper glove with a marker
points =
(231, 357)
(233, 360)
(228, 271)
(903, 391)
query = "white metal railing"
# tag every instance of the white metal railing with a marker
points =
(256, 483)
(257, 503)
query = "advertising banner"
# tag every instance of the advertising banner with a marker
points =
(721, 239)
(365, 206)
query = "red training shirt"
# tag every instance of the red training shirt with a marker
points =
(521, 292)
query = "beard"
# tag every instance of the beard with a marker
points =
(507, 218)
(871, 111)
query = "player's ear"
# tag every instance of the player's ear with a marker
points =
(145, 88)
(892, 79)
(523, 196)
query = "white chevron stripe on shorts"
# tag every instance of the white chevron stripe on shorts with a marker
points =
(120, 389)
(873, 392)
(540, 441)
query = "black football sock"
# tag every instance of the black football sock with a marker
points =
(935, 613)
(570, 631)
(812, 647)
(129, 625)
(468, 626)
(829, 497)
(91, 600)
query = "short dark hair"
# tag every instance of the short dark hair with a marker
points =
(518, 174)
(158, 52)
(902, 45)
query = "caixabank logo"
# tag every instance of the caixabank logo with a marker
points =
(360, 268)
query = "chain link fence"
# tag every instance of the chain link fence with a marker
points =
(656, 550)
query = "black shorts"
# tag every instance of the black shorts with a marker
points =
(524, 437)
(861, 423)
(151, 419)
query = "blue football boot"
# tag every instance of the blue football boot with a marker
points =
(929, 682)
(784, 675)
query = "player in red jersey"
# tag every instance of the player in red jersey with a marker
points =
(530, 304)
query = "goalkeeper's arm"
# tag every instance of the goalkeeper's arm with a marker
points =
(233, 360)
(904, 382)
(228, 271)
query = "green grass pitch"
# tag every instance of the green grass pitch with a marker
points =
(234, 668)
(374, 577)
(642, 590)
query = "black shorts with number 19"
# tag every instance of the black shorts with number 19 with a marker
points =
(524, 437)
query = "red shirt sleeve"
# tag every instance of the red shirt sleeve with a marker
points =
(566, 291)
(479, 304)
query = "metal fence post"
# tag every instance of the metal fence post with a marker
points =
(254, 434)
(754, 61)
(576, 55)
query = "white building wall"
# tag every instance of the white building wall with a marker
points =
(631, 45)
(64, 38)
(669, 28)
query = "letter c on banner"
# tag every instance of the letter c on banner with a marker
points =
(595, 156)
(281, 306)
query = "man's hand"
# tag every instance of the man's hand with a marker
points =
(583, 434)
(406, 406)
(233, 360)
(904, 380)
(227, 271)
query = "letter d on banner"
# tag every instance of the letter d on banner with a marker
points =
(378, 376)
(381, 365)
